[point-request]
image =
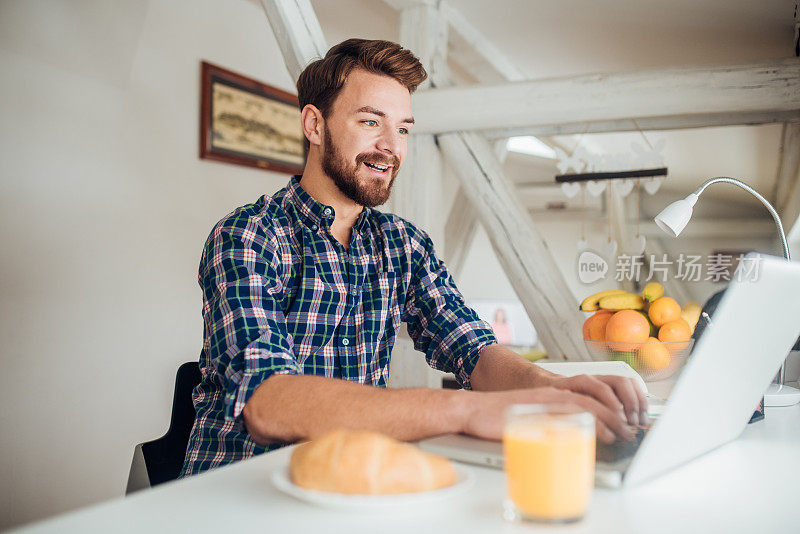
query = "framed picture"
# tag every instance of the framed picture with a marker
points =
(508, 319)
(247, 122)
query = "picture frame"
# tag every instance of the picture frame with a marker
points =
(247, 122)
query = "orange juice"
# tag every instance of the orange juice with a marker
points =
(549, 464)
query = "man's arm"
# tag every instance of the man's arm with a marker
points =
(288, 408)
(501, 369)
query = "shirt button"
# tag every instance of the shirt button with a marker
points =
(327, 212)
(345, 342)
(314, 227)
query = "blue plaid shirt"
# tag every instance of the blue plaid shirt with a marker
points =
(282, 296)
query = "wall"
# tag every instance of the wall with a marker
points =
(105, 208)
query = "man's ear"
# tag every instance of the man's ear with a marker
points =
(313, 124)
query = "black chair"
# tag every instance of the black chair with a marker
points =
(158, 461)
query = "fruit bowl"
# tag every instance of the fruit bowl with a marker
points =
(653, 360)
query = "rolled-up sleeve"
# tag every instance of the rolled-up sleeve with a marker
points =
(246, 339)
(449, 332)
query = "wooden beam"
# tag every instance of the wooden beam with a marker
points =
(297, 31)
(790, 213)
(771, 86)
(423, 30)
(419, 188)
(481, 46)
(462, 223)
(788, 165)
(522, 252)
(460, 232)
(678, 122)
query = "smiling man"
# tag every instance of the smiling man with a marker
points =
(304, 291)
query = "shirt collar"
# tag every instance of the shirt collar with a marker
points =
(315, 213)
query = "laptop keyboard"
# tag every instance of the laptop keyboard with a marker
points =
(621, 449)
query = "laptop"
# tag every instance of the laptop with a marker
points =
(734, 361)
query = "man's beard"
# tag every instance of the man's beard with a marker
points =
(372, 193)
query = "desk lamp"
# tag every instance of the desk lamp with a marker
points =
(674, 218)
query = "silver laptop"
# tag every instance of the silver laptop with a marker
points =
(734, 361)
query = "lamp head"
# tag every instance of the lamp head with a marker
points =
(674, 217)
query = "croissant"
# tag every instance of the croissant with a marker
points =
(368, 463)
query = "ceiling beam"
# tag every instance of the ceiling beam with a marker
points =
(677, 122)
(771, 86)
(520, 249)
(788, 164)
(480, 45)
(297, 31)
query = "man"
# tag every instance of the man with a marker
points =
(304, 292)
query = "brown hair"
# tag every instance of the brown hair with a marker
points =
(321, 81)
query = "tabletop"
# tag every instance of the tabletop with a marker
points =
(747, 485)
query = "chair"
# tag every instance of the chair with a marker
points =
(158, 461)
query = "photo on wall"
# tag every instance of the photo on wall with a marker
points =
(247, 122)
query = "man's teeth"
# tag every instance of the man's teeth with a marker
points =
(379, 168)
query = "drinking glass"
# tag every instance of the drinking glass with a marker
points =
(549, 455)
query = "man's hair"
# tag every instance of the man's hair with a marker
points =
(321, 81)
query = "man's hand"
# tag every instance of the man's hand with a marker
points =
(618, 393)
(486, 416)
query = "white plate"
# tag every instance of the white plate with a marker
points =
(280, 478)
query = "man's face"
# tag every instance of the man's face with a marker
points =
(365, 136)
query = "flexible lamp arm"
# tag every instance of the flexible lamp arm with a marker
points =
(756, 194)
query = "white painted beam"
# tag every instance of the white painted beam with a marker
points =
(771, 86)
(480, 45)
(788, 165)
(678, 122)
(460, 232)
(790, 214)
(462, 223)
(297, 31)
(521, 251)
(418, 190)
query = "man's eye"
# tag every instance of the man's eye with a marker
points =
(403, 131)
(370, 122)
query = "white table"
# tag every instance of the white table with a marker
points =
(749, 485)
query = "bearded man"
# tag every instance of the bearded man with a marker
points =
(304, 291)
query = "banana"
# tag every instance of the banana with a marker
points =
(625, 301)
(691, 314)
(591, 303)
(652, 291)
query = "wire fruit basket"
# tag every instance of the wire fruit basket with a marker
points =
(653, 360)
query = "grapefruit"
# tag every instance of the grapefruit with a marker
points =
(626, 329)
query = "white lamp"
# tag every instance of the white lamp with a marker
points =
(674, 218)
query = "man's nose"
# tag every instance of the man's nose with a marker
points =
(390, 142)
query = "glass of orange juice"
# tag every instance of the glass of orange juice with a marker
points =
(549, 455)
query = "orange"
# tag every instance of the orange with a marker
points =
(626, 329)
(675, 334)
(663, 310)
(654, 354)
(594, 328)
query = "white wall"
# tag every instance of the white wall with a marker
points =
(104, 209)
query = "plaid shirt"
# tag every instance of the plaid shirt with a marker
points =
(282, 296)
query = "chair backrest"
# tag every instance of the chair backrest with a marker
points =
(158, 461)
